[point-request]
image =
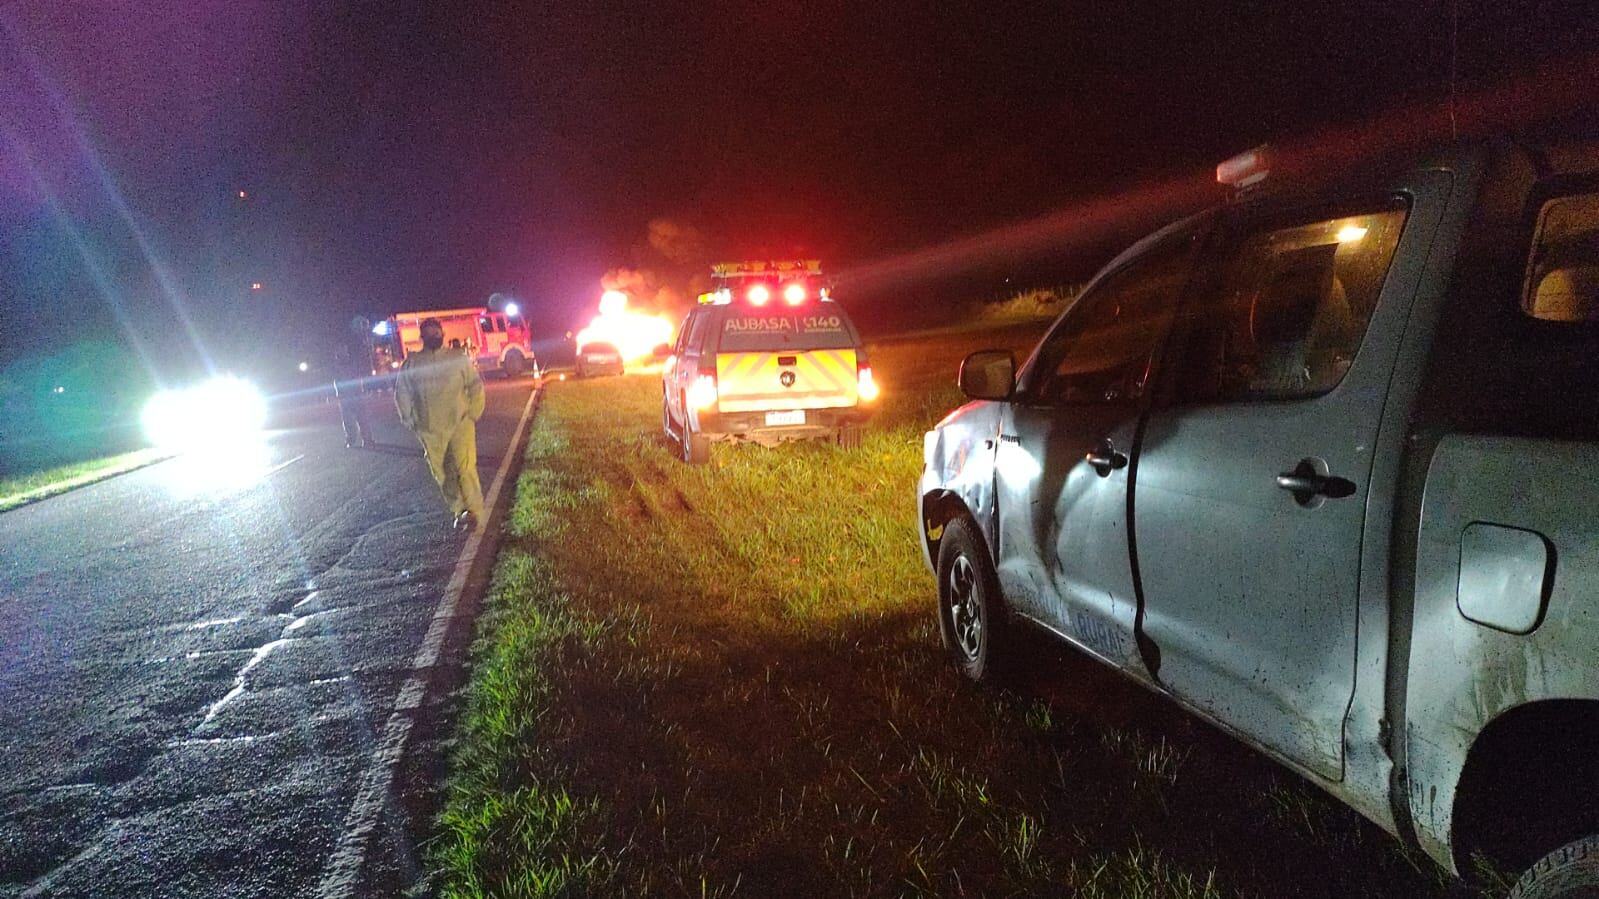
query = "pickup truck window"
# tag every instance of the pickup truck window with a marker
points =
(1563, 271)
(696, 331)
(1289, 309)
(1100, 352)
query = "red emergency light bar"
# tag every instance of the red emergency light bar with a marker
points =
(1246, 169)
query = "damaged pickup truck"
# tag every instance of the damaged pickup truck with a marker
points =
(1322, 465)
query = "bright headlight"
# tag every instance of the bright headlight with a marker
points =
(218, 413)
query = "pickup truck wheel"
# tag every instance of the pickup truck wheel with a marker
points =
(971, 614)
(1570, 872)
(849, 437)
(696, 447)
(513, 364)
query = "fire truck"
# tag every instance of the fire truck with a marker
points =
(498, 340)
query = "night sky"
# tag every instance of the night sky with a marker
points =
(404, 155)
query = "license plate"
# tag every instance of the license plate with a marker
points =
(796, 417)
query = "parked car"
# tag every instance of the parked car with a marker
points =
(1322, 466)
(751, 368)
(598, 359)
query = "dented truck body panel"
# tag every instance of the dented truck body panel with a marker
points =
(1470, 579)
(959, 474)
(1463, 673)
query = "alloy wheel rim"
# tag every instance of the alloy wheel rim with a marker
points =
(965, 608)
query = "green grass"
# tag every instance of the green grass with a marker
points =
(725, 680)
(26, 488)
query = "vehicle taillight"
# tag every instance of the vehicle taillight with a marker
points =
(758, 295)
(866, 386)
(702, 393)
(794, 294)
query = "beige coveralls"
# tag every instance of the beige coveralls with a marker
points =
(440, 397)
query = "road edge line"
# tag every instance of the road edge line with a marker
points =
(341, 873)
(12, 502)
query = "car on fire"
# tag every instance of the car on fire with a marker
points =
(768, 356)
(1322, 466)
(599, 358)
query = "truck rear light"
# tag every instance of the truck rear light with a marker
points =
(794, 294)
(758, 295)
(702, 393)
(866, 385)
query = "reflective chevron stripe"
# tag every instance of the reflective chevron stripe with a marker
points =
(752, 382)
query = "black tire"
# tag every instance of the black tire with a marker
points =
(696, 447)
(1570, 872)
(848, 437)
(971, 612)
(668, 426)
(513, 364)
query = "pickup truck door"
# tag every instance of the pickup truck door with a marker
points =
(674, 377)
(1252, 482)
(1065, 446)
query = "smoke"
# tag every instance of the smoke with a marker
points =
(678, 243)
(670, 268)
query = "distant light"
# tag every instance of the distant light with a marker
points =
(381, 329)
(60, 389)
(758, 295)
(305, 366)
(794, 294)
(1350, 233)
(512, 310)
(244, 195)
(255, 285)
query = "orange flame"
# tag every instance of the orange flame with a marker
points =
(634, 334)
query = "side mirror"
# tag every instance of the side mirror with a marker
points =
(989, 375)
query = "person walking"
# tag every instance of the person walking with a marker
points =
(439, 396)
(352, 364)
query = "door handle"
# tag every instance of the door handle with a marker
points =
(1104, 458)
(1306, 483)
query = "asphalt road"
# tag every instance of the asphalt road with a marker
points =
(196, 662)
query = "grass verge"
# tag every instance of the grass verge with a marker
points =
(725, 681)
(27, 488)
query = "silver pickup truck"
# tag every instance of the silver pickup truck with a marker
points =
(1323, 466)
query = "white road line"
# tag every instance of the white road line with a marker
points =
(341, 876)
(282, 465)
